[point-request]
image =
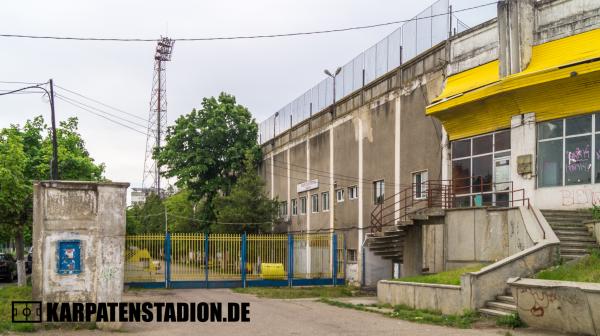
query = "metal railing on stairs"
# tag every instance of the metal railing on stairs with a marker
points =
(471, 191)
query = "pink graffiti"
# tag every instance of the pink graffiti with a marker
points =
(579, 159)
(580, 196)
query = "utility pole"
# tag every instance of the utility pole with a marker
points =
(54, 165)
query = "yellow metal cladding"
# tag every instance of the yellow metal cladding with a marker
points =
(471, 79)
(563, 79)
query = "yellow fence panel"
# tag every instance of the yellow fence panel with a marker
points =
(144, 258)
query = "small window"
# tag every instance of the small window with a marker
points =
(294, 207)
(303, 205)
(378, 192)
(283, 209)
(353, 192)
(351, 256)
(325, 200)
(339, 195)
(420, 184)
(315, 203)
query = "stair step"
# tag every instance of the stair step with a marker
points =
(582, 238)
(573, 234)
(506, 299)
(573, 251)
(501, 306)
(569, 257)
(577, 244)
(494, 312)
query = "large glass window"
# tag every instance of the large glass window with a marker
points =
(566, 151)
(473, 162)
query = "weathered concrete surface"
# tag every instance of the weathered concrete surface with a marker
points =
(270, 317)
(376, 268)
(444, 298)
(594, 228)
(572, 307)
(92, 213)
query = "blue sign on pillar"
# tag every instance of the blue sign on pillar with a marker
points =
(69, 257)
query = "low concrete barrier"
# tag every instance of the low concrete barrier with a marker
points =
(443, 298)
(571, 307)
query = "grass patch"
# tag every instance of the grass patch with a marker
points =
(8, 294)
(464, 321)
(510, 321)
(586, 269)
(299, 292)
(451, 277)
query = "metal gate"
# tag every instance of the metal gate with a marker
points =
(197, 260)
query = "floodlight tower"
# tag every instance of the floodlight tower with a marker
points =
(157, 118)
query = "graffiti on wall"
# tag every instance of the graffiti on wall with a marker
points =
(536, 301)
(584, 196)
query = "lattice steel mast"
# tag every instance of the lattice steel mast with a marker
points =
(157, 118)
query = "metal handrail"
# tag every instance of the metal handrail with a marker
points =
(439, 193)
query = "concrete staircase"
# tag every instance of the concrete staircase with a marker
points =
(504, 305)
(575, 239)
(388, 244)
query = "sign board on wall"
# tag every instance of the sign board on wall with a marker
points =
(308, 185)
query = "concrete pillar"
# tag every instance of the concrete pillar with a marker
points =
(78, 242)
(376, 268)
(516, 25)
(523, 146)
(413, 251)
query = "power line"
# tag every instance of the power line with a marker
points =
(100, 115)
(101, 103)
(241, 37)
(100, 110)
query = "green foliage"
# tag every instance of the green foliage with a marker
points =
(8, 294)
(27, 152)
(511, 321)
(247, 203)
(586, 269)
(595, 212)
(297, 292)
(451, 277)
(206, 149)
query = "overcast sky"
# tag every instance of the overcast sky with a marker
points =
(264, 74)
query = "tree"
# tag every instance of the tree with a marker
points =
(15, 189)
(247, 203)
(205, 149)
(74, 163)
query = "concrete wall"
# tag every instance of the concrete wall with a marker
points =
(560, 18)
(570, 307)
(483, 235)
(446, 299)
(93, 213)
(478, 287)
(370, 137)
(474, 47)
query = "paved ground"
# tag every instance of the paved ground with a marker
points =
(282, 317)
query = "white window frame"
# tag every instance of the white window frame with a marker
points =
(303, 205)
(353, 195)
(351, 253)
(294, 207)
(325, 201)
(423, 184)
(339, 195)
(283, 209)
(314, 203)
(378, 186)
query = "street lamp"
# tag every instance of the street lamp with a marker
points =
(333, 76)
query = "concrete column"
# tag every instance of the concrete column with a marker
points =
(413, 251)
(289, 185)
(360, 191)
(331, 193)
(523, 142)
(516, 24)
(272, 176)
(397, 181)
(308, 209)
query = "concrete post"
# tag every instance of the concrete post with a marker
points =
(79, 242)
(523, 143)
(516, 25)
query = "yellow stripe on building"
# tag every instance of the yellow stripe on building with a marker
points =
(562, 79)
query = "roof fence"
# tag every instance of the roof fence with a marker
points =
(428, 28)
